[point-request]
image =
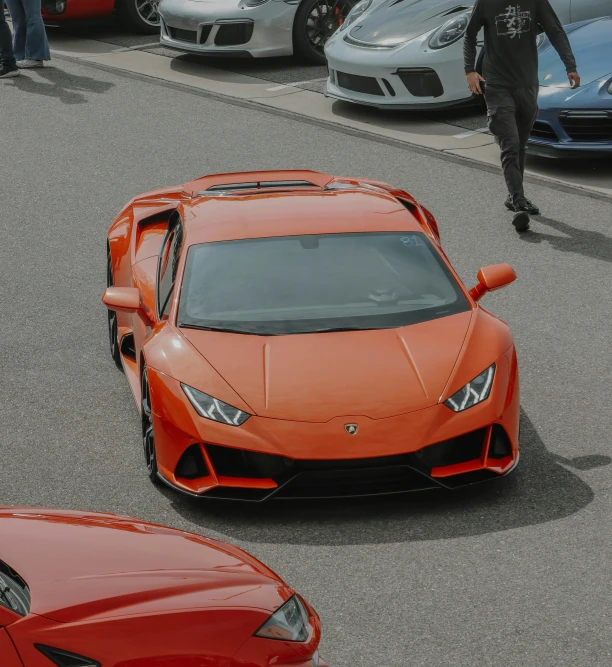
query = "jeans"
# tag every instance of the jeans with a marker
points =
(6, 42)
(511, 114)
(30, 35)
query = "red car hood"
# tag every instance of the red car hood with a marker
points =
(81, 566)
(317, 377)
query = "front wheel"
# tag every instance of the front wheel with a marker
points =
(140, 15)
(315, 22)
(148, 435)
(113, 331)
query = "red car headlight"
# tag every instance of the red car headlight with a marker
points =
(473, 392)
(290, 623)
(64, 658)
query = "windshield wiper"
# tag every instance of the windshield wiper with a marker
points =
(335, 329)
(182, 325)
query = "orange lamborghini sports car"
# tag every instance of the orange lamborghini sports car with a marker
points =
(290, 334)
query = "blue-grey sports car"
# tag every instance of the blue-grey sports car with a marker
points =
(576, 123)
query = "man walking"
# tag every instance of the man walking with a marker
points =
(8, 67)
(510, 71)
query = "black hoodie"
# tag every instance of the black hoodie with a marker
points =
(510, 32)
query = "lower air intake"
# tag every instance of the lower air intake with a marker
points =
(234, 34)
(191, 465)
(421, 81)
(359, 84)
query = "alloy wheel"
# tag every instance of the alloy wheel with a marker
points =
(148, 10)
(148, 435)
(324, 18)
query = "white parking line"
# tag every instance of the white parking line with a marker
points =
(136, 47)
(471, 133)
(295, 83)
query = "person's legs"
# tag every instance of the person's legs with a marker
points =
(18, 18)
(37, 45)
(527, 113)
(502, 120)
(6, 42)
(8, 67)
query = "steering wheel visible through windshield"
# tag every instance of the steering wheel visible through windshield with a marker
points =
(317, 283)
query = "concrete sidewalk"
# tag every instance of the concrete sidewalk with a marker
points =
(475, 146)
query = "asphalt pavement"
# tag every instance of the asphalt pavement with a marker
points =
(511, 573)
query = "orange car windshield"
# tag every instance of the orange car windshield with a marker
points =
(310, 284)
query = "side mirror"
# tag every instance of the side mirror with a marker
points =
(491, 278)
(124, 299)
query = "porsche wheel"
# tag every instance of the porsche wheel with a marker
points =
(315, 22)
(140, 15)
(148, 435)
(113, 331)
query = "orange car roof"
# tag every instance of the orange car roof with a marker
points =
(225, 207)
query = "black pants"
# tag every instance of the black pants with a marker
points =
(6, 41)
(511, 114)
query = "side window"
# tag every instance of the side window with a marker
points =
(168, 264)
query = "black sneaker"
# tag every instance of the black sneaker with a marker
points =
(530, 207)
(521, 220)
(8, 71)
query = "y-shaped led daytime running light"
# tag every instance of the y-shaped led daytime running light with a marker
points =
(473, 393)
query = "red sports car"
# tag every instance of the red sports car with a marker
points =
(101, 590)
(141, 15)
(292, 334)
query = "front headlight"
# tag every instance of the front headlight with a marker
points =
(355, 13)
(473, 393)
(212, 408)
(289, 623)
(610, 88)
(450, 32)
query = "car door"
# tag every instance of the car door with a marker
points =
(582, 10)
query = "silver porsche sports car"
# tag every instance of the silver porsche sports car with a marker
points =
(408, 54)
(252, 28)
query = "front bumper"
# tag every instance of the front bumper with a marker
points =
(560, 133)
(266, 458)
(411, 76)
(235, 30)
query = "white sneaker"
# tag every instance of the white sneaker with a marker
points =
(29, 64)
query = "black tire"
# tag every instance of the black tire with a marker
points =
(315, 22)
(139, 15)
(148, 435)
(113, 332)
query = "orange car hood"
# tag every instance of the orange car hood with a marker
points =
(81, 566)
(317, 377)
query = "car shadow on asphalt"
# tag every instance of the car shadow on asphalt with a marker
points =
(543, 488)
(68, 88)
(587, 243)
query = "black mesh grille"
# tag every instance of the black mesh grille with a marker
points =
(542, 130)
(356, 482)
(233, 34)
(465, 448)
(184, 35)
(191, 465)
(587, 125)
(421, 82)
(205, 33)
(359, 84)
(230, 462)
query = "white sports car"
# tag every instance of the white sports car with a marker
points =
(252, 28)
(408, 54)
